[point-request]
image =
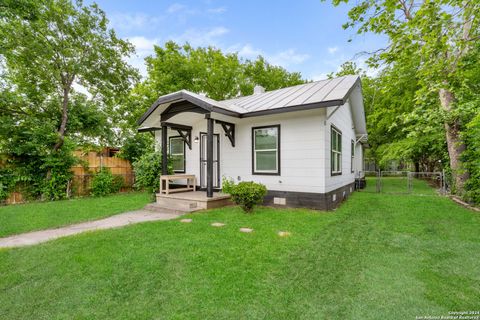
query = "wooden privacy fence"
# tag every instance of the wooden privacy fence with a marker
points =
(84, 172)
(91, 162)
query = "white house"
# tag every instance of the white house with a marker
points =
(304, 143)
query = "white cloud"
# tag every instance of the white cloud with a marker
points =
(319, 72)
(176, 7)
(143, 44)
(133, 21)
(288, 57)
(218, 10)
(201, 37)
(247, 51)
(332, 50)
(285, 58)
(143, 48)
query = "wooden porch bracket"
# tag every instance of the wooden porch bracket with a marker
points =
(151, 130)
(184, 131)
(229, 129)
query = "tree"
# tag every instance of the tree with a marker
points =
(208, 71)
(437, 33)
(58, 44)
(48, 47)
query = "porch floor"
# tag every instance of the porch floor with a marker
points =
(192, 201)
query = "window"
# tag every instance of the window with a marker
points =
(336, 151)
(353, 156)
(177, 153)
(266, 150)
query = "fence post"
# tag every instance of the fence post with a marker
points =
(379, 182)
(409, 181)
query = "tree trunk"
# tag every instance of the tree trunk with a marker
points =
(63, 123)
(454, 144)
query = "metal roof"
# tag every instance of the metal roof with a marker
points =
(324, 93)
(334, 90)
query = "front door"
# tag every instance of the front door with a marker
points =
(203, 160)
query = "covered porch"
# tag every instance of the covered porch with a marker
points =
(200, 124)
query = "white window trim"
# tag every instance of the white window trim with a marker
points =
(178, 154)
(335, 152)
(277, 158)
(352, 164)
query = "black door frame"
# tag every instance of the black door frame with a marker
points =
(217, 186)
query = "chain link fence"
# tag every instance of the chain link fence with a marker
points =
(405, 182)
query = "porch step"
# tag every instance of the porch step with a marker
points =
(178, 204)
(192, 201)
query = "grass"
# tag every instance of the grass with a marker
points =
(399, 185)
(378, 256)
(42, 215)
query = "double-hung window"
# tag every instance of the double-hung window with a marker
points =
(266, 150)
(336, 151)
(177, 154)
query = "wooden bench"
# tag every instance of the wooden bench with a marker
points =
(165, 189)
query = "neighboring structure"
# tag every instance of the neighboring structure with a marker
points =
(305, 142)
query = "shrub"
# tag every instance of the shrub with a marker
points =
(135, 146)
(148, 169)
(227, 185)
(105, 183)
(57, 167)
(245, 194)
(7, 183)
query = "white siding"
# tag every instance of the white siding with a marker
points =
(192, 157)
(359, 170)
(301, 149)
(342, 120)
(301, 152)
(304, 149)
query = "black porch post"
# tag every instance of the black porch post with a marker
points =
(209, 156)
(164, 150)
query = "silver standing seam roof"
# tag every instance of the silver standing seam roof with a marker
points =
(323, 93)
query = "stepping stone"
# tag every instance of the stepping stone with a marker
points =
(246, 230)
(218, 224)
(284, 233)
(186, 220)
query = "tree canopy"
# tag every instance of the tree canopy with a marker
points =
(438, 37)
(207, 71)
(49, 48)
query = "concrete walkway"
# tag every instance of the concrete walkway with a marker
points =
(119, 220)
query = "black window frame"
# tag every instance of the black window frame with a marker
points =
(184, 153)
(352, 156)
(339, 132)
(278, 172)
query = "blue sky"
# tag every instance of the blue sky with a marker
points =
(302, 35)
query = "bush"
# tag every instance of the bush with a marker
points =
(105, 183)
(135, 146)
(7, 183)
(245, 194)
(148, 169)
(58, 175)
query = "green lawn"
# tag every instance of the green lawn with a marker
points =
(376, 257)
(36, 216)
(399, 185)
